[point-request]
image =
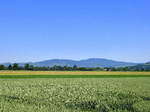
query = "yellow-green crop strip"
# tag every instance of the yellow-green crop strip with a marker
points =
(70, 74)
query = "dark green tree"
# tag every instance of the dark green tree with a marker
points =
(10, 67)
(27, 67)
(2, 67)
(15, 66)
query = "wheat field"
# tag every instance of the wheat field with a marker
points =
(71, 73)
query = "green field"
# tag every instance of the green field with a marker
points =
(119, 92)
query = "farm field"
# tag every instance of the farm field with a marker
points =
(74, 91)
(75, 95)
(70, 74)
(9, 72)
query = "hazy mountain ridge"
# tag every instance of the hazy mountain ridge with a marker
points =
(91, 62)
(141, 67)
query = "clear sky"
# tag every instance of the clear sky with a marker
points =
(35, 30)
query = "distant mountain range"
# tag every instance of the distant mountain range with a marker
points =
(91, 62)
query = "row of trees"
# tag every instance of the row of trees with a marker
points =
(15, 66)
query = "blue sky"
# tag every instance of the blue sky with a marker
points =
(34, 30)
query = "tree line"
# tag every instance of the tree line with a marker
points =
(16, 66)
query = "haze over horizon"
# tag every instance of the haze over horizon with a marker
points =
(37, 30)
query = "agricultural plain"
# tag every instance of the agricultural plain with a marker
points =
(74, 91)
(75, 95)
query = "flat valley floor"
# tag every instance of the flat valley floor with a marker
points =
(129, 94)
